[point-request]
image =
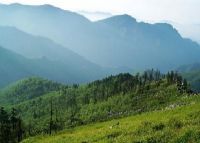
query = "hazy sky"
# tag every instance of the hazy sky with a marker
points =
(180, 12)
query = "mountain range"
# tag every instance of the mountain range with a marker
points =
(14, 66)
(118, 41)
(67, 47)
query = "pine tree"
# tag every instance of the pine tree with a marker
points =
(185, 85)
(51, 117)
(4, 126)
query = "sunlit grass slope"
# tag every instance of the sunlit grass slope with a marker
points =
(172, 124)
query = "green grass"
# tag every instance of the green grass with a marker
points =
(175, 125)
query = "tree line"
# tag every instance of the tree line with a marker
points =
(11, 126)
(182, 84)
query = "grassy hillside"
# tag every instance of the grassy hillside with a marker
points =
(47, 107)
(171, 125)
(113, 97)
(70, 112)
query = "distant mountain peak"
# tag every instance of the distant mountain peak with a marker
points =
(44, 9)
(48, 6)
(19, 4)
(127, 17)
(124, 18)
(166, 25)
(45, 6)
(15, 4)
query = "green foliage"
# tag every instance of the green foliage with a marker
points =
(48, 107)
(28, 89)
(11, 130)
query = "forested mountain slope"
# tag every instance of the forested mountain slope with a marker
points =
(113, 97)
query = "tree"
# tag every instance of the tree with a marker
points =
(51, 117)
(11, 130)
(145, 76)
(13, 118)
(19, 130)
(5, 131)
(185, 85)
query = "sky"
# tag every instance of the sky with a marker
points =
(182, 13)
